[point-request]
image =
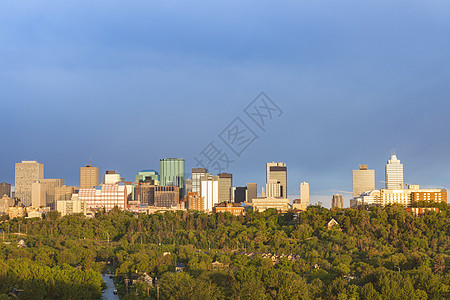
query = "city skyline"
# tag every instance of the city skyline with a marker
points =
(351, 85)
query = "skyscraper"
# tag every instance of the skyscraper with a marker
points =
(43, 192)
(197, 174)
(148, 176)
(337, 201)
(26, 173)
(225, 184)
(363, 180)
(304, 194)
(88, 177)
(252, 193)
(276, 173)
(394, 174)
(172, 173)
(210, 191)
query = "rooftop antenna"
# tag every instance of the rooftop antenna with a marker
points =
(90, 161)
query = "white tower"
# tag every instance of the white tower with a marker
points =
(304, 194)
(394, 174)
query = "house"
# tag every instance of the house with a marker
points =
(332, 223)
(179, 267)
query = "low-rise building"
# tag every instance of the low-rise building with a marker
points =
(17, 212)
(5, 203)
(72, 206)
(263, 203)
(235, 209)
(106, 196)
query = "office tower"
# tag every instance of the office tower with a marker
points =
(148, 176)
(167, 196)
(188, 185)
(88, 177)
(172, 173)
(106, 196)
(252, 193)
(225, 184)
(241, 194)
(276, 173)
(111, 177)
(304, 195)
(197, 174)
(363, 180)
(63, 193)
(394, 174)
(5, 189)
(43, 192)
(26, 173)
(210, 191)
(337, 201)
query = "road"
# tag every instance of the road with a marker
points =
(108, 293)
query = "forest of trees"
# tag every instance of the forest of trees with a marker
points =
(372, 254)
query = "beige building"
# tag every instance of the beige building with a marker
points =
(88, 177)
(304, 195)
(5, 203)
(106, 196)
(43, 192)
(337, 201)
(276, 173)
(72, 206)
(17, 212)
(225, 184)
(252, 191)
(263, 203)
(63, 192)
(26, 173)
(5, 189)
(363, 180)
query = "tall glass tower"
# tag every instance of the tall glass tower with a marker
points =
(172, 173)
(394, 174)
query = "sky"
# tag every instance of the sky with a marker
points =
(128, 83)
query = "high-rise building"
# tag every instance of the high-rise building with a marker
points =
(276, 173)
(394, 174)
(252, 192)
(148, 176)
(5, 189)
(188, 186)
(194, 201)
(26, 173)
(43, 192)
(363, 180)
(210, 191)
(337, 201)
(167, 196)
(63, 193)
(304, 195)
(241, 194)
(172, 173)
(112, 177)
(197, 174)
(106, 196)
(225, 184)
(88, 177)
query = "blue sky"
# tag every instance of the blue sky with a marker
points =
(128, 83)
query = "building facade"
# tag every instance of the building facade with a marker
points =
(43, 192)
(304, 195)
(88, 177)
(363, 180)
(111, 177)
(5, 189)
(63, 192)
(71, 206)
(263, 203)
(225, 184)
(276, 173)
(195, 202)
(172, 174)
(234, 208)
(252, 191)
(26, 173)
(394, 174)
(147, 176)
(241, 194)
(210, 191)
(106, 196)
(197, 174)
(337, 201)
(5, 203)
